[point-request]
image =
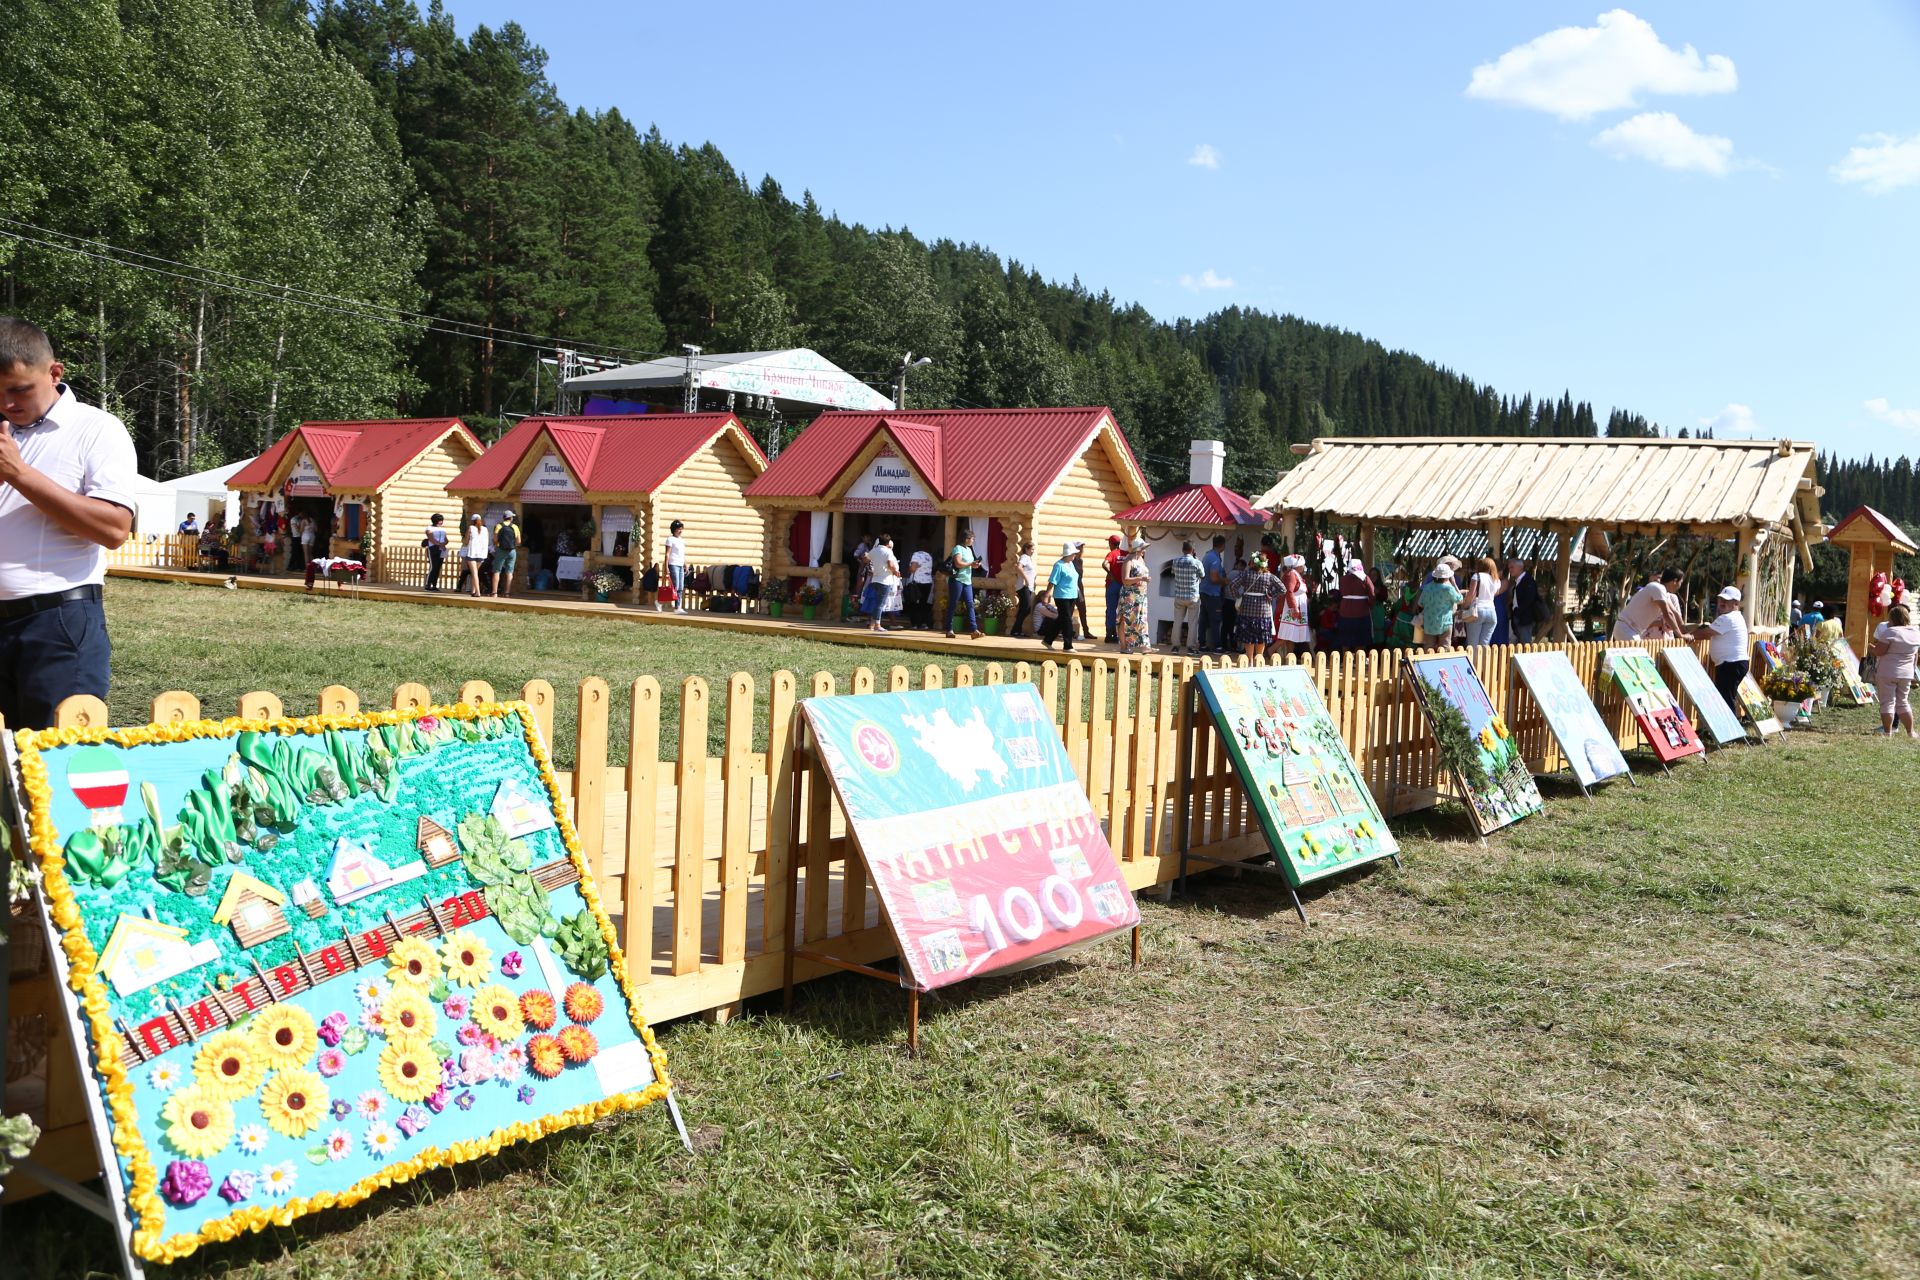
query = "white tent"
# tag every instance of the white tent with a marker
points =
(205, 494)
(797, 380)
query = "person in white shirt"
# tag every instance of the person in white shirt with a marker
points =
(882, 593)
(920, 589)
(474, 553)
(676, 556)
(1024, 592)
(1653, 612)
(1727, 650)
(67, 475)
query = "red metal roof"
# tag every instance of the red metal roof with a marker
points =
(618, 454)
(1867, 515)
(1195, 504)
(353, 457)
(966, 455)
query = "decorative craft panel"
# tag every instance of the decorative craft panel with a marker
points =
(1474, 741)
(1654, 707)
(1584, 738)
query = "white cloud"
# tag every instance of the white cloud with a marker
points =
(1204, 157)
(1576, 72)
(1207, 279)
(1735, 421)
(1879, 408)
(1665, 139)
(1885, 163)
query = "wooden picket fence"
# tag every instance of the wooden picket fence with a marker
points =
(692, 854)
(167, 551)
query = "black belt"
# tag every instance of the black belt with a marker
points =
(27, 605)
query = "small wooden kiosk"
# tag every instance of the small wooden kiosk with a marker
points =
(1051, 475)
(1872, 541)
(371, 485)
(602, 491)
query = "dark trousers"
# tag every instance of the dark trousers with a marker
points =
(436, 556)
(1023, 607)
(1080, 607)
(1229, 615)
(962, 594)
(1209, 622)
(1726, 678)
(48, 656)
(1355, 634)
(1060, 628)
(920, 604)
(1113, 609)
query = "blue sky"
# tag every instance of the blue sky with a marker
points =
(1701, 212)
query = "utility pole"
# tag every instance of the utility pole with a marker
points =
(692, 402)
(900, 377)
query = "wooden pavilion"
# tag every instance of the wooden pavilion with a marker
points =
(1761, 494)
(1872, 541)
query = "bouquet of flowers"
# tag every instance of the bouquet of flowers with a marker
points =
(995, 604)
(812, 594)
(605, 582)
(774, 591)
(1785, 684)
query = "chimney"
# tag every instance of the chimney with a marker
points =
(1209, 463)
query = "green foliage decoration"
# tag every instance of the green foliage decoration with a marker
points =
(503, 866)
(1459, 748)
(581, 946)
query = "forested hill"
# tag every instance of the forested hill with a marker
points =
(236, 214)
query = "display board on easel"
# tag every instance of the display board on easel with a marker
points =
(1758, 709)
(1719, 718)
(976, 833)
(1316, 811)
(1667, 732)
(1476, 745)
(1850, 690)
(304, 960)
(1586, 742)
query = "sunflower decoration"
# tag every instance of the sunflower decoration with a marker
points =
(577, 1045)
(1500, 727)
(294, 1102)
(230, 1065)
(199, 1122)
(545, 1056)
(286, 1035)
(1487, 740)
(409, 1068)
(584, 1003)
(496, 1011)
(408, 1013)
(412, 962)
(466, 958)
(537, 1009)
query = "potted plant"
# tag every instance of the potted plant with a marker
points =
(812, 596)
(604, 583)
(1791, 692)
(775, 594)
(996, 610)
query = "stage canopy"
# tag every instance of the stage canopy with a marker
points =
(800, 382)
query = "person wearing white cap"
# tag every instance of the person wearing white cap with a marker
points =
(1064, 579)
(1727, 651)
(1132, 613)
(1438, 599)
(1356, 607)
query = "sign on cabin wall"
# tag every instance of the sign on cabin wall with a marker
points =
(1584, 738)
(981, 844)
(888, 485)
(550, 482)
(304, 480)
(317, 957)
(1314, 807)
(1654, 707)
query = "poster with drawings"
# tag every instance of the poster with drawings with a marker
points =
(1584, 738)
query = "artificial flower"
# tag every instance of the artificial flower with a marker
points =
(509, 1063)
(354, 1041)
(331, 1062)
(496, 1011)
(381, 1140)
(294, 1101)
(339, 1145)
(511, 963)
(412, 1121)
(237, 1186)
(286, 1035)
(341, 1109)
(166, 1076)
(577, 1044)
(476, 1066)
(372, 1021)
(412, 962)
(472, 1036)
(333, 1027)
(438, 1099)
(229, 1065)
(466, 958)
(409, 1068)
(371, 1104)
(408, 1012)
(526, 1093)
(544, 1056)
(370, 990)
(584, 1003)
(253, 1139)
(456, 1007)
(465, 1100)
(199, 1122)
(185, 1182)
(277, 1179)
(537, 1009)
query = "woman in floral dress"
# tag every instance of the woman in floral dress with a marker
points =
(1293, 630)
(1256, 591)
(1133, 600)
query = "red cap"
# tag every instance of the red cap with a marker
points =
(1113, 539)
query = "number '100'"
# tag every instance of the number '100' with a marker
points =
(1025, 916)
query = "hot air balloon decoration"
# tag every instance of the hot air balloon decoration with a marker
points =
(98, 778)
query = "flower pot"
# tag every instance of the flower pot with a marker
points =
(600, 596)
(1787, 712)
(775, 608)
(990, 625)
(806, 611)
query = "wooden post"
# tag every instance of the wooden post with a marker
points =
(836, 553)
(1748, 561)
(689, 851)
(1562, 584)
(590, 774)
(736, 853)
(643, 807)
(819, 830)
(777, 911)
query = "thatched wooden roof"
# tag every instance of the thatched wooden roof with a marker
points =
(1713, 487)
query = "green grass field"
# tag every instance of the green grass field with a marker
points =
(1675, 1032)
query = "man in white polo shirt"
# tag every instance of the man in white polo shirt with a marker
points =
(1653, 613)
(66, 496)
(1727, 651)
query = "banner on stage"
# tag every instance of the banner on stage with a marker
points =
(1315, 809)
(1584, 738)
(312, 958)
(1483, 756)
(1666, 730)
(977, 833)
